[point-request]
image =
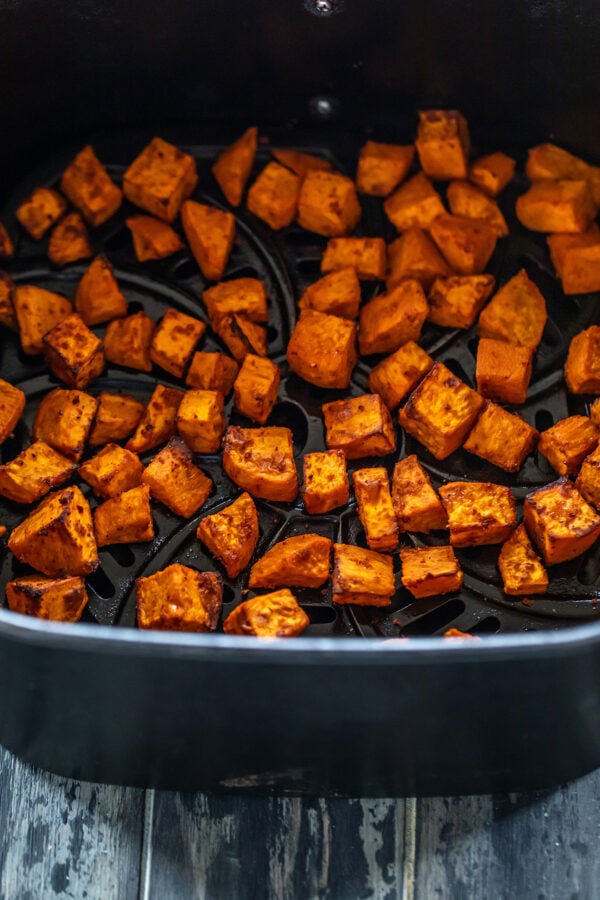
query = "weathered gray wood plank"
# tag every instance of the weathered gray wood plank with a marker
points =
(61, 838)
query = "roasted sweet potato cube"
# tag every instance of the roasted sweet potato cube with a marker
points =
(57, 599)
(443, 144)
(73, 352)
(381, 167)
(69, 241)
(34, 472)
(57, 538)
(299, 561)
(39, 212)
(392, 319)
(414, 255)
(116, 417)
(416, 504)
(245, 296)
(576, 258)
(441, 411)
(90, 188)
(360, 426)
(7, 248)
(396, 375)
(415, 203)
(560, 522)
(8, 317)
(328, 204)
(212, 372)
(152, 238)
(337, 294)
(179, 598)
(566, 444)
(428, 571)
(256, 386)
(300, 162)
(492, 173)
(261, 461)
(478, 512)
(64, 420)
(588, 480)
(112, 471)
(273, 197)
(456, 302)
(366, 255)
(563, 206)
(98, 297)
(37, 311)
(595, 412)
(520, 566)
(270, 615)
(127, 342)
(12, 404)
(233, 165)
(516, 313)
(467, 244)
(363, 577)
(176, 481)
(549, 161)
(467, 200)
(231, 534)
(174, 341)
(125, 518)
(160, 179)
(3, 530)
(322, 349)
(375, 510)
(582, 368)
(210, 232)
(501, 438)
(159, 420)
(325, 483)
(240, 335)
(201, 420)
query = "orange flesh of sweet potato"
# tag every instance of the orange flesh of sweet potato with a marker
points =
(245, 296)
(270, 615)
(8, 316)
(456, 302)
(414, 255)
(152, 238)
(328, 204)
(416, 505)
(201, 420)
(466, 244)
(549, 161)
(443, 144)
(37, 311)
(273, 197)
(503, 370)
(112, 471)
(256, 386)
(375, 509)
(492, 173)
(337, 294)
(392, 319)
(210, 232)
(231, 534)
(212, 372)
(12, 404)
(428, 571)
(566, 444)
(64, 419)
(363, 577)
(176, 481)
(158, 422)
(360, 426)
(233, 166)
(368, 256)
(89, 187)
(582, 368)
(127, 342)
(240, 335)
(179, 598)
(261, 461)
(69, 241)
(34, 472)
(98, 297)
(516, 313)
(6, 245)
(588, 480)
(125, 518)
(300, 561)
(116, 417)
(301, 163)
(325, 482)
(322, 349)
(595, 412)
(576, 258)
(58, 599)
(399, 373)
(501, 438)
(478, 512)
(160, 178)
(40, 211)
(467, 200)
(560, 206)
(560, 522)
(520, 566)
(415, 203)
(73, 352)
(381, 167)
(174, 341)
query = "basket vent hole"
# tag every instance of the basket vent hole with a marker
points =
(543, 419)
(228, 594)
(320, 615)
(134, 306)
(187, 268)
(489, 625)
(288, 415)
(437, 619)
(101, 584)
(272, 334)
(474, 463)
(122, 555)
(457, 369)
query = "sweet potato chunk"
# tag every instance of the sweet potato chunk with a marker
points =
(588, 480)
(325, 482)
(231, 534)
(201, 420)
(57, 599)
(576, 258)
(582, 368)
(127, 342)
(212, 372)
(478, 512)
(322, 349)
(34, 472)
(375, 510)
(98, 297)
(261, 461)
(520, 566)
(174, 341)
(152, 238)
(300, 561)
(179, 598)
(57, 538)
(37, 311)
(125, 518)
(363, 577)
(503, 370)
(501, 438)
(392, 319)
(270, 615)
(566, 444)
(443, 144)
(428, 571)
(381, 167)
(492, 173)
(240, 335)
(328, 204)
(12, 404)
(564, 206)
(158, 422)
(116, 417)
(64, 420)
(560, 522)
(415, 203)
(457, 301)
(366, 255)
(210, 232)
(40, 211)
(255, 389)
(549, 161)
(516, 314)
(396, 375)
(8, 316)
(467, 200)
(274, 196)
(595, 412)
(414, 255)
(160, 179)
(416, 505)
(360, 426)
(245, 296)
(234, 164)
(69, 241)
(73, 352)
(176, 481)
(6, 245)
(301, 163)
(337, 294)
(112, 471)
(466, 244)
(89, 187)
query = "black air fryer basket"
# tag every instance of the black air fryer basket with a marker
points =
(348, 708)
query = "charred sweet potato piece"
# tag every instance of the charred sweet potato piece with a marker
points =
(588, 480)
(503, 370)
(64, 420)
(300, 162)
(34, 472)
(69, 241)
(245, 296)
(582, 368)
(152, 238)
(158, 422)
(337, 294)
(429, 571)
(492, 173)
(98, 297)
(392, 319)
(366, 255)
(73, 352)
(201, 420)
(560, 522)
(179, 598)
(576, 258)
(416, 504)
(363, 577)
(37, 311)
(299, 561)
(396, 375)
(322, 349)
(478, 512)
(125, 518)
(466, 244)
(375, 509)
(176, 481)
(174, 341)
(501, 438)
(58, 599)
(520, 566)
(8, 317)
(261, 461)
(210, 232)
(240, 335)
(566, 444)
(160, 179)
(7, 248)
(563, 206)
(234, 164)
(57, 538)
(415, 256)
(328, 204)
(256, 386)
(381, 167)
(273, 197)
(467, 200)
(456, 302)
(40, 211)
(212, 372)
(416, 203)
(360, 426)
(231, 534)
(270, 615)
(516, 313)
(127, 342)
(325, 483)
(116, 417)
(112, 471)
(443, 144)
(12, 404)
(90, 188)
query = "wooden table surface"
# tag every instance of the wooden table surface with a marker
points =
(62, 838)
